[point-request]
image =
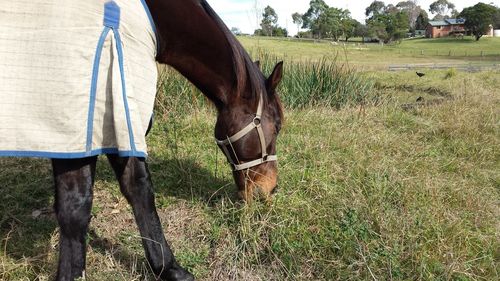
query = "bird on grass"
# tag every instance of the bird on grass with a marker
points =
(420, 74)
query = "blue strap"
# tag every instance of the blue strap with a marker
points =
(124, 88)
(111, 22)
(93, 88)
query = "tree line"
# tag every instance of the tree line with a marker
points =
(384, 23)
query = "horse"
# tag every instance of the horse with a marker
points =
(192, 39)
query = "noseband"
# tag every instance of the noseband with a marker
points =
(255, 124)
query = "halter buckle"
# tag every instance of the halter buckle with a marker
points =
(257, 121)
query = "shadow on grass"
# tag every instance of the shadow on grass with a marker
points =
(187, 180)
(27, 221)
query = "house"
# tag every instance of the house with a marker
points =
(420, 32)
(445, 28)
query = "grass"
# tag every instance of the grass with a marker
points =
(394, 190)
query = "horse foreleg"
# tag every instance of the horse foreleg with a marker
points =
(74, 180)
(135, 184)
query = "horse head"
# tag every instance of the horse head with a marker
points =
(249, 118)
(246, 131)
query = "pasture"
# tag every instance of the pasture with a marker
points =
(373, 186)
(375, 56)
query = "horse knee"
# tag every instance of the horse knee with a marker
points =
(135, 181)
(73, 213)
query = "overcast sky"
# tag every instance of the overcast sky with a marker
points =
(241, 13)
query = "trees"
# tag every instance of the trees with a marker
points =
(333, 23)
(478, 18)
(422, 21)
(442, 9)
(269, 21)
(375, 8)
(412, 10)
(352, 28)
(324, 21)
(496, 19)
(269, 24)
(362, 31)
(297, 20)
(387, 23)
(389, 27)
(311, 17)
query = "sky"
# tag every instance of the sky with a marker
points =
(242, 13)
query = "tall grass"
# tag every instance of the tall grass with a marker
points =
(176, 95)
(326, 82)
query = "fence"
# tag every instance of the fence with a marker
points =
(470, 67)
(448, 53)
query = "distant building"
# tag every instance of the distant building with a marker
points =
(445, 28)
(420, 32)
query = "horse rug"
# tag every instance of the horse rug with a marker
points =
(77, 78)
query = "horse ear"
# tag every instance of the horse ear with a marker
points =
(257, 63)
(275, 78)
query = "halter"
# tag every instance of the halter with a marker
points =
(255, 124)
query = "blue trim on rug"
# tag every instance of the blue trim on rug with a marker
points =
(93, 88)
(153, 25)
(112, 15)
(111, 21)
(124, 88)
(73, 155)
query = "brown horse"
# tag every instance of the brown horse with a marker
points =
(195, 41)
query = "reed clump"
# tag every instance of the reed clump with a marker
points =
(326, 82)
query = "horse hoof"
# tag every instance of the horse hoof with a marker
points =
(178, 274)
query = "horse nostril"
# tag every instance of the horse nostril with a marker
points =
(275, 189)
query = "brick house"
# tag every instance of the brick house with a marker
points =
(445, 28)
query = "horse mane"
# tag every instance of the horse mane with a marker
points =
(243, 64)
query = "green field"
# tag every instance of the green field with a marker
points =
(375, 56)
(382, 188)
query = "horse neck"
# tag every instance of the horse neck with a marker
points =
(199, 47)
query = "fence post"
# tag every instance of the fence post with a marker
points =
(449, 54)
(421, 52)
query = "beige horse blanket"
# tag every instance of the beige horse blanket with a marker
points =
(77, 78)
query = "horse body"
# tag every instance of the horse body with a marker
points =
(194, 41)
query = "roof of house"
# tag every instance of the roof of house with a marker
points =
(455, 21)
(438, 23)
(446, 22)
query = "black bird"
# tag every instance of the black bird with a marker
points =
(420, 74)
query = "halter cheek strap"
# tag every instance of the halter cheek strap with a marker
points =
(255, 124)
